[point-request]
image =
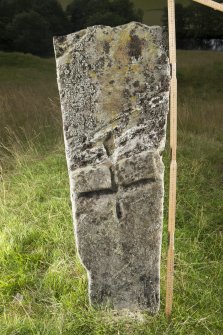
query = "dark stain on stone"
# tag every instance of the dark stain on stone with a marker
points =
(126, 92)
(123, 141)
(99, 154)
(135, 47)
(60, 39)
(72, 167)
(109, 144)
(162, 59)
(161, 123)
(68, 135)
(59, 51)
(156, 100)
(106, 47)
(83, 139)
(136, 83)
(105, 292)
(127, 247)
(149, 293)
(100, 62)
(118, 210)
(114, 186)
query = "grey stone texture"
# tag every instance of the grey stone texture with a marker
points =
(114, 91)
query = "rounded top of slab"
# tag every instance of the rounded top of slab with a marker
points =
(61, 43)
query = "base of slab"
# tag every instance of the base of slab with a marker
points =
(123, 315)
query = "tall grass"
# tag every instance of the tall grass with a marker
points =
(26, 113)
(200, 93)
(29, 104)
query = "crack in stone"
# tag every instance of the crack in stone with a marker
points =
(141, 182)
(109, 144)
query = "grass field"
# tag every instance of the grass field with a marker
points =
(43, 288)
(27, 86)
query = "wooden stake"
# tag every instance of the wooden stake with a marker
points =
(173, 165)
(212, 4)
(173, 146)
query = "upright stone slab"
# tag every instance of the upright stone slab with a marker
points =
(114, 91)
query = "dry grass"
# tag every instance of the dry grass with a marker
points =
(29, 104)
(25, 111)
(29, 120)
(194, 118)
(200, 92)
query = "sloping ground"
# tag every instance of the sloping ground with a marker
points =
(43, 288)
(153, 9)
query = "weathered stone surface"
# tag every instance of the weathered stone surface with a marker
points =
(91, 179)
(138, 167)
(114, 91)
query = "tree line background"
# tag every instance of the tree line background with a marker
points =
(29, 25)
(197, 26)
